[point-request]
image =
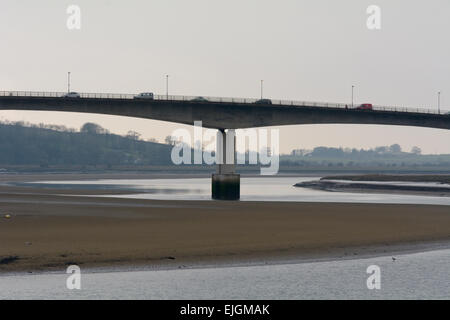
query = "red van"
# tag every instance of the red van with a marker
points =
(365, 106)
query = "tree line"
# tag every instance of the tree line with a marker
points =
(26, 144)
(91, 145)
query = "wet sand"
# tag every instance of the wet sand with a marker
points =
(354, 187)
(441, 178)
(48, 230)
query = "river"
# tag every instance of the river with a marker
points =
(252, 189)
(423, 275)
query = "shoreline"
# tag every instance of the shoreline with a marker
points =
(355, 187)
(368, 252)
(442, 178)
(31, 177)
(51, 228)
(48, 232)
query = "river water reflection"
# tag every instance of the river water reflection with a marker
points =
(252, 189)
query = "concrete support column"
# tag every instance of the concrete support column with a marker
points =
(225, 182)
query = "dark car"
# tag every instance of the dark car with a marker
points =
(199, 99)
(264, 101)
(72, 95)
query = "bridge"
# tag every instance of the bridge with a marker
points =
(223, 114)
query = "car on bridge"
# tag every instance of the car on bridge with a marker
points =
(145, 96)
(365, 106)
(72, 95)
(263, 101)
(199, 99)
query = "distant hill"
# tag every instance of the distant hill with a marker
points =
(92, 145)
(26, 147)
(381, 157)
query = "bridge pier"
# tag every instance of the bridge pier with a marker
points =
(225, 183)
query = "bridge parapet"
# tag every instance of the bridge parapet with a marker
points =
(227, 100)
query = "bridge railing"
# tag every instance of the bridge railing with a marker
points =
(63, 94)
(217, 100)
(296, 103)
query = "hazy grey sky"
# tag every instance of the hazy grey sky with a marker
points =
(304, 50)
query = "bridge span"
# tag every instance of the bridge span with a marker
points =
(222, 114)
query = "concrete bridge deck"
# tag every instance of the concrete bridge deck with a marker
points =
(222, 113)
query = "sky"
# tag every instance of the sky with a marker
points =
(303, 50)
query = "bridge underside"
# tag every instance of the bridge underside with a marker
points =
(225, 182)
(225, 115)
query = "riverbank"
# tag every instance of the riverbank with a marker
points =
(441, 178)
(47, 232)
(353, 187)
(426, 185)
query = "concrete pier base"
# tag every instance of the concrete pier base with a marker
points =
(226, 183)
(226, 186)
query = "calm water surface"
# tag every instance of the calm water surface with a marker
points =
(252, 189)
(412, 276)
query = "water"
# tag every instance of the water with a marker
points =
(411, 276)
(423, 275)
(252, 189)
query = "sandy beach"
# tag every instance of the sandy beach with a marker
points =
(49, 230)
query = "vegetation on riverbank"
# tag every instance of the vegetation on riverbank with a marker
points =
(49, 148)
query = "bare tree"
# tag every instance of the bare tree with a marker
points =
(416, 150)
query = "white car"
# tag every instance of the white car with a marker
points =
(72, 95)
(145, 95)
